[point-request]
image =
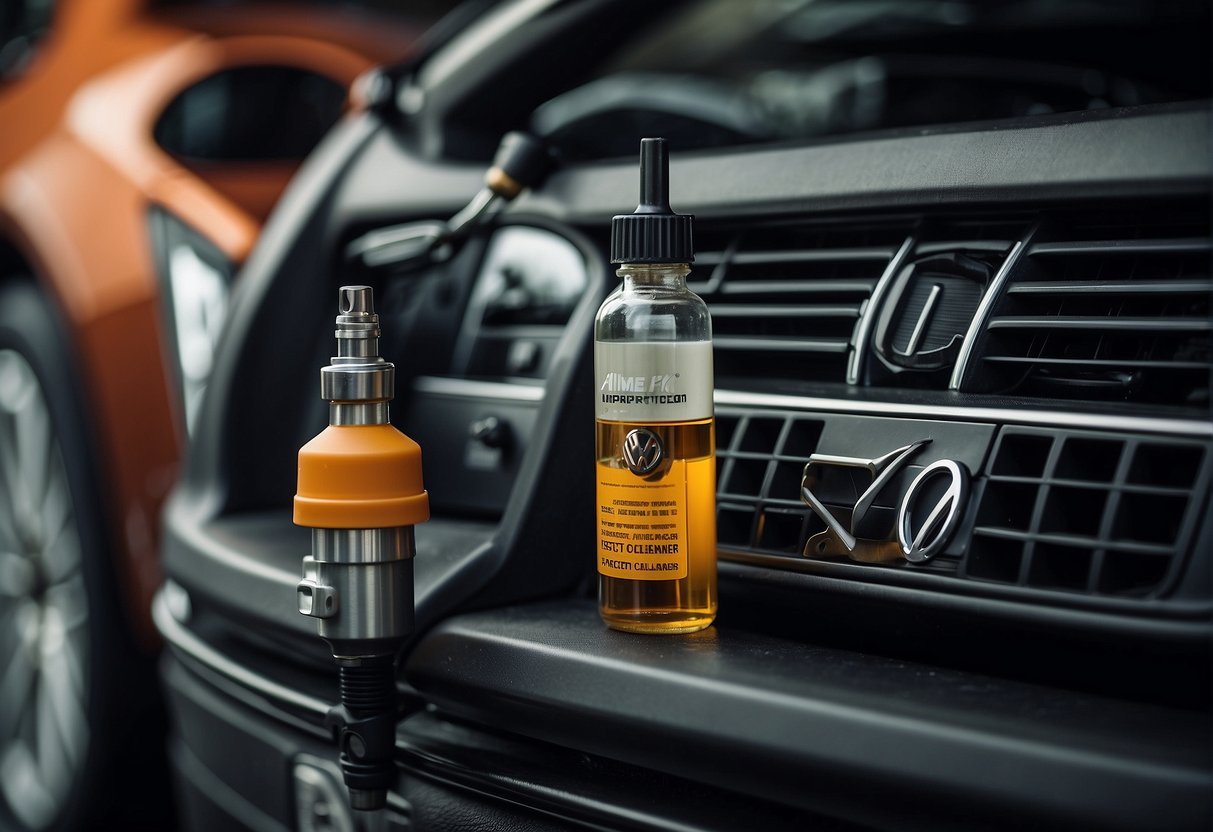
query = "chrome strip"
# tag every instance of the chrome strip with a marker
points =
(924, 318)
(875, 300)
(992, 295)
(468, 389)
(1177, 245)
(1048, 418)
(180, 638)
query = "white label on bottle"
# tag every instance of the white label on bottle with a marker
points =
(653, 381)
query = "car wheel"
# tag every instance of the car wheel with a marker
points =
(61, 637)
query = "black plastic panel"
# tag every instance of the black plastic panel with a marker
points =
(466, 473)
(1055, 160)
(885, 742)
(579, 787)
(234, 751)
(229, 764)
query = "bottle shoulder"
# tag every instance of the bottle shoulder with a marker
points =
(645, 316)
(660, 301)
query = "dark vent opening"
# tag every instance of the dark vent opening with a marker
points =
(726, 426)
(763, 271)
(1073, 511)
(1022, 455)
(1169, 466)
(793, 236)
(994, 559)
(1158, 221)
(974, 234)
(785, 485)
(779, 530)
(746, 477)
(1060, 567)
(802, 438)
(733, 525)
(1132, 573)
(1007, 505)
(1094, 460)
(761, 435)
(827, 324)
(1149, 518)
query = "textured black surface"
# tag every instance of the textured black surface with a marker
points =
(578, 786)
(821, 728)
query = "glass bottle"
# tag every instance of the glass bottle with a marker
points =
(655, 443)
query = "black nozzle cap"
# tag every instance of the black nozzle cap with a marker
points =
(523, 158)
(653, 233)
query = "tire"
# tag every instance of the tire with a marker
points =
(70, 678)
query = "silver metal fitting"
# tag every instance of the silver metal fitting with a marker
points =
(358, 383)
(358, 573)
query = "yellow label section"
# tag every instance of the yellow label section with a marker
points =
(642, 526)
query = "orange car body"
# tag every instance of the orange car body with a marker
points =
(79, 171)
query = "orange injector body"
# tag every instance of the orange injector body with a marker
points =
(360, 491)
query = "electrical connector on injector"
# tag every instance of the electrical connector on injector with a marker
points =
(360, 491)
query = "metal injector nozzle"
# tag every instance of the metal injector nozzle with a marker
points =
(360, 491)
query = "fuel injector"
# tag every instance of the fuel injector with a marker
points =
(360, 491)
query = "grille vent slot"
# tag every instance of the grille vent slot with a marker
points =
(1082, 512)
(1105, 311)
(785, 298)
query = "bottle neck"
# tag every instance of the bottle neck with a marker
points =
(670, 276)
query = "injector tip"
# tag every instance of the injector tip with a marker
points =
(356, 300)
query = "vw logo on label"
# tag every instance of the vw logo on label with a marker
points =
(923, 531)
(642, 451)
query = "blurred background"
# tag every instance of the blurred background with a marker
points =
(142, 145)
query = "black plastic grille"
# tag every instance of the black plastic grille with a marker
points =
(760, 464)
(760, 460)
(785, 298)
(1091, 513)
(1105, 311)
(1112, 306)
(1080, 512)
(1072, 306)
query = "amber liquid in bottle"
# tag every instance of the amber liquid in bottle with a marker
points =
(655, 442)
(681, 605)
